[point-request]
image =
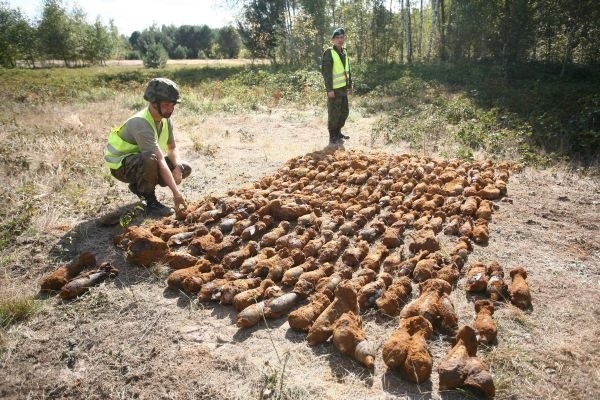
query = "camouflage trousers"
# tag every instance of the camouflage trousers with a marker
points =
(141, 170)
(337, 110)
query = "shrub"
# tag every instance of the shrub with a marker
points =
(156, 56)
(180, 52)
(133, 55)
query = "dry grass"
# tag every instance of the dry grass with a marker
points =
(212, 63)
(16, 309)
(132, 337)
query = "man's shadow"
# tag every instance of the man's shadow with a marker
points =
(97, 236)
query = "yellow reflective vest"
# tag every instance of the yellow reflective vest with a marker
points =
(340, 72)
(117, 149)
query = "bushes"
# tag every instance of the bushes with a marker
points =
(133, 55)
(180, 52)
(156, 56)
(534, 116)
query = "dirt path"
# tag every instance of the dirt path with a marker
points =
(132, 338)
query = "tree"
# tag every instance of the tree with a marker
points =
(80, 44)
(204, 39)
(304, 44)
(167, 39)
(180, 52)
(99, 43)
(120, 44)
(27, 42)
(434, 23)
(516, 31)
(259, 26)
(409, 48)
(229, 42)
(577, 25)
(154, 35)
(195, 38)
(15, 36)
(134, 40)
(472, 32)
(315, 12)
(55, 31)
(156, 56)
(420, 42)
(378, 29)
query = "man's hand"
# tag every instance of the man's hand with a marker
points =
(180, 207)
(177, 174)
(331, 94)
(350, 91)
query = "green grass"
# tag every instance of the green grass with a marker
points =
(532, 116)
(15, 310)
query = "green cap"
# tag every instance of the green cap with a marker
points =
(162, 89)
(338, 32)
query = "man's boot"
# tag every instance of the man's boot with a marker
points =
(133, 189)
(155, 207)
(333, 138)
(341, 135)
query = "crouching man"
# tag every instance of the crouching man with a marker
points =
(142, 151)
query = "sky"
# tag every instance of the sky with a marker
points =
(137, 15)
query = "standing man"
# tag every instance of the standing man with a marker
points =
(142, 151)
(335, 68)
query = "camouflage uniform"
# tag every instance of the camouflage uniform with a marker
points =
(141, 172)
(337, 111)
(337, 108)
(131, 152)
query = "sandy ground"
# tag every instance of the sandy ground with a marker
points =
(133, 338)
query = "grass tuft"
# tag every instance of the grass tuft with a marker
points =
(159, 271)
(16, 310)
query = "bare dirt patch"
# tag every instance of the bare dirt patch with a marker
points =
(133, 338)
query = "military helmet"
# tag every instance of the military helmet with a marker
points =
(162, 89)
(338, 32)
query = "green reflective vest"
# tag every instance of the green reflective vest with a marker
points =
(340, 73)
(117, 149)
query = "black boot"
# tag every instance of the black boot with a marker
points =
(333, 138)
(133, 189)
(155, 207)
(341, 135)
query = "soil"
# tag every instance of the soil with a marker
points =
(131, 337)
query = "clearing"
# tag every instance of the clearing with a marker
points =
(131, 337)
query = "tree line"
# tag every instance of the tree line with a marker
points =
(59, 35)
(156, 45)
(507, 32)
(64, 34)
(295, 32)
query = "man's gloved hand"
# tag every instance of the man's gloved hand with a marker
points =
(180, 207)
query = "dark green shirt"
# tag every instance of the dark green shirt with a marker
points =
(327, 68)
